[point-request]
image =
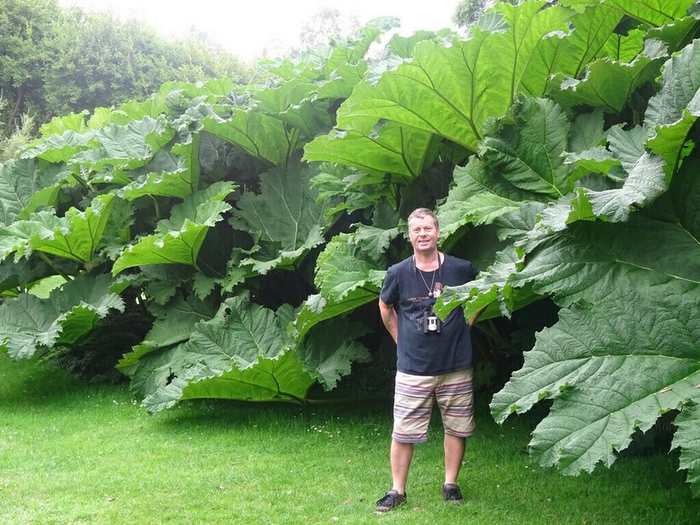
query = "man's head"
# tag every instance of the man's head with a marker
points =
(423, 231)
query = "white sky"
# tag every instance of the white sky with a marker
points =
(246, 27)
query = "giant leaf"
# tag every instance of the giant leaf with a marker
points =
(590, 260)
(75, 236)
(687, 439)
(652, 12)
(180, 237)
(284, 217)
(243, 354)
(672, 113)
(479, 195)
(387, 148)
(600, 74)
(612, 367)
(451, 91)
(329, 351)
(59, 148)
(126, 146)
(256, 133)
(343, 268)
(30, 325)
(317, 309)
(349, 273)
(18, 182)
(172, 172)
(526, 147)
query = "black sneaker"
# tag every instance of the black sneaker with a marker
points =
(390, 500)
(452, 493)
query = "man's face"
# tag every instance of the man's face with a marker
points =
(423, 235)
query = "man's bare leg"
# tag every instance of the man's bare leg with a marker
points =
(401, 456)
(454, 455)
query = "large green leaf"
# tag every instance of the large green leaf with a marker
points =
(589, 260)
(317, 309)
(242, 354)
(652, 12)
(329, 351)
(60, 147)
(687, 439)
(76, 235)
(387, 148)
(349, 189)
(672, 113)
(349, 273)
(625, 349)
(614, 366)
(29, 325)
(125, 146)
(284, 217)
(343, 268)
(292, 103)
(260, 135)
(173, 172)
(180, 237)
(526, 147)
(592, 89)
(479, 195)
(492, 289)
(451, 91)
(18, 182)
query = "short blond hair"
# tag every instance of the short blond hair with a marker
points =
(422, 213)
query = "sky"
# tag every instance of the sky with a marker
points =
(246, 28)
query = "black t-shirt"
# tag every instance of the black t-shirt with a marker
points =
(407, 289)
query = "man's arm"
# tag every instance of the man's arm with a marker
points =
(390, 319)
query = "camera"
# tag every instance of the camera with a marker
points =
(431, 323)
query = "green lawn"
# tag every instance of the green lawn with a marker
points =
(77, 454)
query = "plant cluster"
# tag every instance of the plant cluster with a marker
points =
(255, 224)
(55, 61)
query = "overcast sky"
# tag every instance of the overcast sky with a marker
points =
(247, 27)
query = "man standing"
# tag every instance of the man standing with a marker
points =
(434, 357)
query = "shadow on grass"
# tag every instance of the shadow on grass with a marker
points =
(33, 382)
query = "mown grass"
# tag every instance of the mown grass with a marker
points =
(77, 454)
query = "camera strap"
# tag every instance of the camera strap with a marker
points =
(420, 272)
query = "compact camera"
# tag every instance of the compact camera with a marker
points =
(431, 323)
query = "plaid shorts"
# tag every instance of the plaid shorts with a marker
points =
(413, 403)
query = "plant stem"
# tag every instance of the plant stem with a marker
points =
(48, 261)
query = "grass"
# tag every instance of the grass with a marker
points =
(77, 454)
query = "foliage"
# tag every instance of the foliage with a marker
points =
(18, 138)
(581, 182)
(53, 62)
(255, 223)
(468, 11)
(195, 206)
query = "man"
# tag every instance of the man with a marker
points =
(434, 358)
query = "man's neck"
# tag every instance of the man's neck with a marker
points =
(428, 262)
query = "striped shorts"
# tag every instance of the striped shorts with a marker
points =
(414, 397)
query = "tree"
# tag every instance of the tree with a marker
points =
(26, 27)
(54, 62)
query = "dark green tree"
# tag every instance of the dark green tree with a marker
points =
(26, 26)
